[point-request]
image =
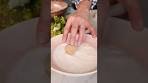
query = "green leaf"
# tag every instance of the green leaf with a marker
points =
(62, 20)
(57, 27)
(58, 32)
(56, 19)
(52, 26)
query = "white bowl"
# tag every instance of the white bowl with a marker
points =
(57, 40)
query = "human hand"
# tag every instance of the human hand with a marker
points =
(74, 31)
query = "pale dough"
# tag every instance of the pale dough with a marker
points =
(84, 59)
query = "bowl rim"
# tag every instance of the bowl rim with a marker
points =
(71, 74)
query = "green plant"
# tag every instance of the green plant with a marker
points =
(18, 14)
(57, 25)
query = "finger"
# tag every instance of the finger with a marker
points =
(68, 38)
(77, 38)
(92, 30)
(74, 31)
(81, 35)
(135, 14)
(67, 29)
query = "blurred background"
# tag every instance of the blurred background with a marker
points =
(15, 11)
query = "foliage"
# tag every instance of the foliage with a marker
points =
(57, 26)
(18, 14)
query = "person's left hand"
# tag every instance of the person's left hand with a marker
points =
(74, 31)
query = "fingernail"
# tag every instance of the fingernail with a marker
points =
(79, 43)
(67, 42)
(94, 36)
(76, 44)
(63, 41)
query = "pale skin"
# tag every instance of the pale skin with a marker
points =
(77, 23)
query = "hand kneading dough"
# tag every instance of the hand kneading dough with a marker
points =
(83, 60)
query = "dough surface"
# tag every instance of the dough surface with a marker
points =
(83, 60)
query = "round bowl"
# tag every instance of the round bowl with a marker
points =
(58, 8)
(55, 41)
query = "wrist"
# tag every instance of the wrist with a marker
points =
(84, 5)
(82, 14)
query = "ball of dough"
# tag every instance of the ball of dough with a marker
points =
(70, 49)
(83, 60)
